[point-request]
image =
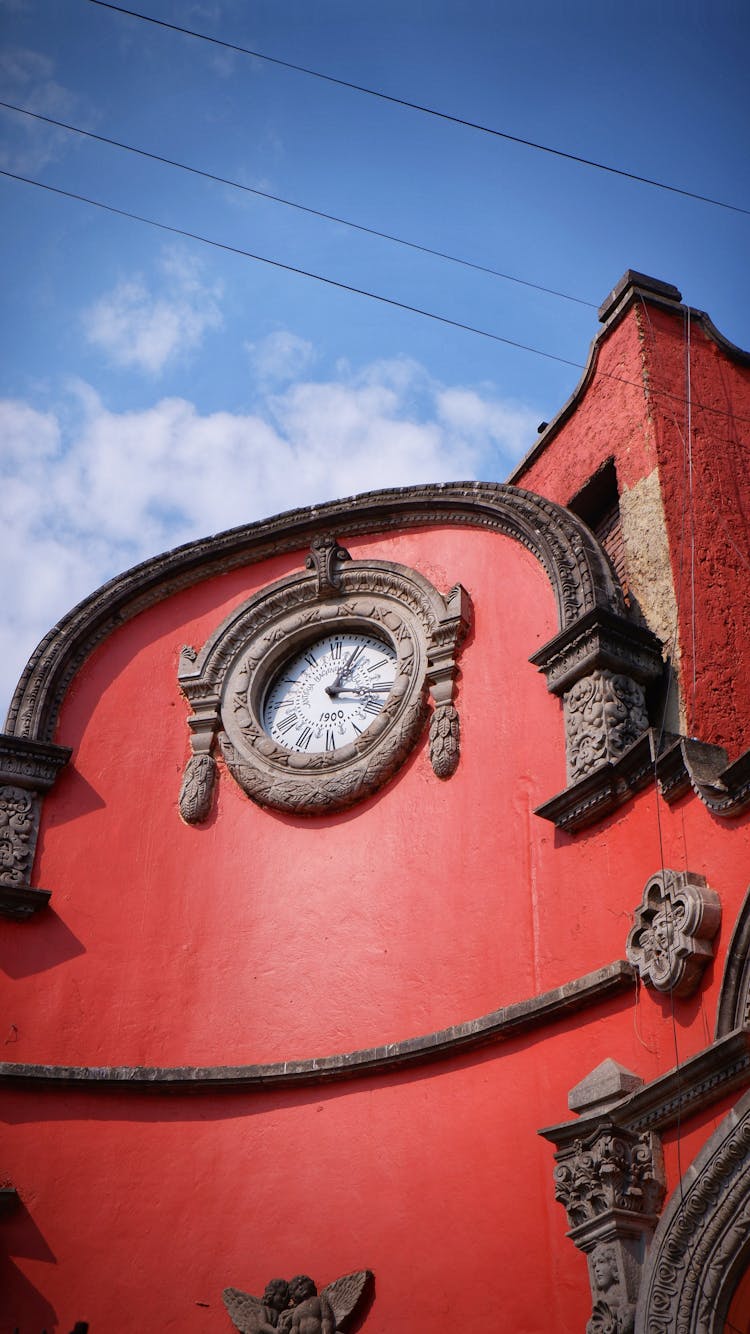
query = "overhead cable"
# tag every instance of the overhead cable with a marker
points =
(417, 106)
(347, 287)
(290, 203)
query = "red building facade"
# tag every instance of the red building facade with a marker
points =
(283, 1003)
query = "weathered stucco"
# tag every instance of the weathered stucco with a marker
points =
(650, 583)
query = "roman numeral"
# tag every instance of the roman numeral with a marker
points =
(336, 648)
(311, 659)
(330, 740)
(372, 705)
(304, 737)
(380, 663)
(284, 724)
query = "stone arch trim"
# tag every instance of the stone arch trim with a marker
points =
(734, 998)
(701, 1246)
(580, 574)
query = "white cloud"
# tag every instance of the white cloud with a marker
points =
(88, 492)
(27, 77)
(280, 356)
(143, 330)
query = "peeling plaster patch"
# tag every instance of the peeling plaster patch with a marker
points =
(650, 579)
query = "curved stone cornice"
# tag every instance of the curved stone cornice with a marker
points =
(576, 566)
(446, 1044)
(701, 1246)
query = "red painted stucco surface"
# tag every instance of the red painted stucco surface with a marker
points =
(258, 937)
(645, 411)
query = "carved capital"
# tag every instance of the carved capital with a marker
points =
(604, 714)
(599, 639)
(611, 1185)
(612, 1170)
(675, 924)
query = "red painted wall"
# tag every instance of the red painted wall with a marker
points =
(644, 410)
(259, 937)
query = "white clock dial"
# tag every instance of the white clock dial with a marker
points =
(326, 696)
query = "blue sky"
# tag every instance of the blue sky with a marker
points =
(154, 389)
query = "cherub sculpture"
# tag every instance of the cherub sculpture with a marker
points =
(297, 1307)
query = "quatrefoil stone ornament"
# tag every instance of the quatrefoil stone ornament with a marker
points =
(671, 941)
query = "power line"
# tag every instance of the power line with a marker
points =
(288, 268)
(348, 287)
(417, 106)
(290, 203)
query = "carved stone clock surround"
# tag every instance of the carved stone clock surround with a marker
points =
(225, 683)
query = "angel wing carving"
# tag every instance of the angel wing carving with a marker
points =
(344, 1294)
(248, 1314)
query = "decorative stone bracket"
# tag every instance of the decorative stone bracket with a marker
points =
(600, 665)
(675, 924)
(27, 770)
(224, 683)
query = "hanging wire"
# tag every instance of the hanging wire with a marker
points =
(417, 106)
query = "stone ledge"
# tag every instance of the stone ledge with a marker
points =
(685, 1089)
(21, 901)
(445, 1044)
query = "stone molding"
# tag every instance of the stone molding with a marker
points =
(224, 683)
(632, 289)
(599, 640)
(679, 764)
(701, 1247)
(446, 1044)
(685, 764)
(688, 1088)
(27, 770)
(733, 1010)
(671, 941)
(575, 564)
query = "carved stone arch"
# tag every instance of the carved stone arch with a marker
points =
(701, 1247)
(734, 997)
(598, 662)
(577, 567)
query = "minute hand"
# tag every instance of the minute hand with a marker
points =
(358, 690)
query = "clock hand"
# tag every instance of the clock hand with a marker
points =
(333, 688)
(358, 690)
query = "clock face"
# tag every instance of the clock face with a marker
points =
(326, 695)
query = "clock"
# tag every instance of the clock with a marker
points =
(319, 686)
(326, 696)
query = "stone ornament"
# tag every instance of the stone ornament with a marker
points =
(616, 1170)
(699, 1251)
(229, 681)
(612, 1313)
(672, 938)
(611, 1184)
(297, 1305)
(27, 770)
(604, 714)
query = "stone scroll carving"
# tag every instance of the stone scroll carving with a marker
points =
(671, 941)
(600, 666)
(701, 1247)
(226, 681)
(604, 714)
(27, 769)
(296, 1304)
(611, 1185)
